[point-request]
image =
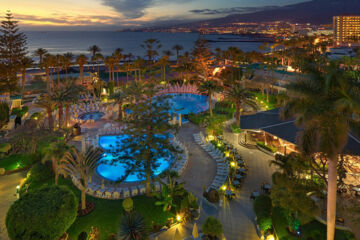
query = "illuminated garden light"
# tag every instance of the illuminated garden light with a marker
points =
(178, 217)
(232, 164)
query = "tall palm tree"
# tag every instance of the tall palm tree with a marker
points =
(66, 62)
(54, 154)
(323, 105)
(25, 63)
(209, 87)
(40, 52)
(60, 97)
(47, 64)
(110, 63)
(177, 48)
(239, 95)
(48, 104)
(119, 98)
(94, 49)
(118, 57)
(81, 60)
(83, 165)
(97, 58)
(163, 62)
(151, 47)
(71, 96)
(132, 227)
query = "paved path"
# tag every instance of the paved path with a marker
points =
(8, 196)
(237, 216)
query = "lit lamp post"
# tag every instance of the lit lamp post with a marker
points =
(285, 149)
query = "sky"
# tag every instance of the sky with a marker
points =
(118, 14)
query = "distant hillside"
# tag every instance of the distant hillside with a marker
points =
(315, 11)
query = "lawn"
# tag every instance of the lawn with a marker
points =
(16, 161)
(312, 230)
(107, 213)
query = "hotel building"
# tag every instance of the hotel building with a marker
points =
(347, 29)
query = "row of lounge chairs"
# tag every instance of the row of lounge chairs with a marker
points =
(182, 161)
(222, 170)
(113, 192)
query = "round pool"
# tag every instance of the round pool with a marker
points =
(113, 171)
(186, 103)
(91, 116)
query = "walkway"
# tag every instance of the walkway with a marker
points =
(8, 196)
(237, 216)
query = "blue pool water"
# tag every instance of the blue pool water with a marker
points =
(114, 171)
(91, 116)
(186, 103)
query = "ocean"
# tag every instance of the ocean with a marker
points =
(77, 42)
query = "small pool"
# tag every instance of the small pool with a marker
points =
(114, 171)
(91, 116)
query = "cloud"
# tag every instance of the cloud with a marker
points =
(133, 9)
(234, 10)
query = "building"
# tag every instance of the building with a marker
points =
(346, 29)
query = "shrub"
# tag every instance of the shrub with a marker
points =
(20, 111)
(112, 236)
(267, 147)
(212, 228)
(128, 204)
(213, 196)
(43, 214)
(262, 208)
(235, 128)
(38, 174)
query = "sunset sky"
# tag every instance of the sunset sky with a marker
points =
(113, 14)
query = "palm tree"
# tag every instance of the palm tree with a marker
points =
(81, 60)
(71, 96)
(209, 87)
(132, 227)
(118, 57)
(48, 104)
(47, 64)
(151, 47)
(54, 154)
(60, 97)
(119, 98)
(97, 58)
(240, 96)
(94, 49)
(177, 48)
(25, 63)
(40, 52)
(110, 63)
(323, 105)
(163, 62)
(66, 62)
(83, 165)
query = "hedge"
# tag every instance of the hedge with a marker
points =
(44, 214)
(267, 147)
(262, 208)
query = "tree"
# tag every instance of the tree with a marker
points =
(40, 53)
(48, 104)
(240, 96)
(171, 195)
(132, 227)
(177, 48)
(76, 163)
(66, 62)
(209, 87)
(110, 63)
(94, 49)
(54, 205)
(148, 124)
(54, 154)
(151, 47)
(202, 58)
(119, 98)
(12, 50)
(212, 228)
(81, 60)
(4, 113)
(262, 209)
(25, 63)
(323, 104)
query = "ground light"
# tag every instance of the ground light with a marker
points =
(270, 237)
(178, 217)
(223, 187)
(232, 164)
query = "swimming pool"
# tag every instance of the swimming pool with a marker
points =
(91, 116)
(114, 171)
(186, 103)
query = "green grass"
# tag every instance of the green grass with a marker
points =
(108, 213)
(16, 161)
(313, 230)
